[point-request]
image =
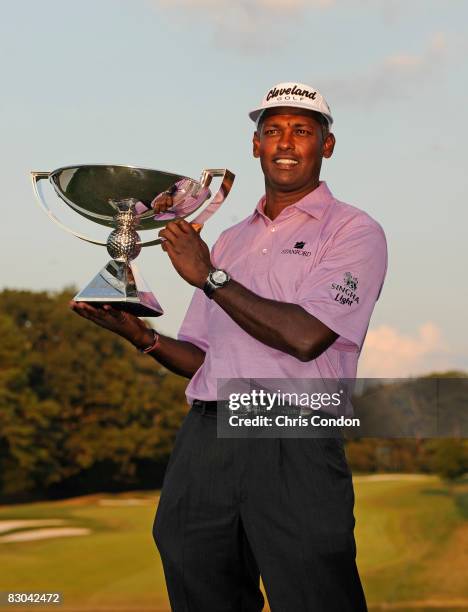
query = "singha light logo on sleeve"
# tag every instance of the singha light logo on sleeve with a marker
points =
(350, 280)
(346, 292)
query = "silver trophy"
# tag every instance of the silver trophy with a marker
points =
(126, 198)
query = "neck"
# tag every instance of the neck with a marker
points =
(277, 201)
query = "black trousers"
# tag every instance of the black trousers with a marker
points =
(232, 509)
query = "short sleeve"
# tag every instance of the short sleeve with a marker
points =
(194, 327)
(342, 289)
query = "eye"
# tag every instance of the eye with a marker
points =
(270, 131)
(302, 132)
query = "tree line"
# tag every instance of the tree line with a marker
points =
(82, 411)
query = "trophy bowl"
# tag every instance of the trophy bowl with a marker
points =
(127, 199)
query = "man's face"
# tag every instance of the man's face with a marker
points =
(290, 145)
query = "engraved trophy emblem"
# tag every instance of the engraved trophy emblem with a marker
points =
(127, 199)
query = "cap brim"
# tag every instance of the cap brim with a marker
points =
(255, 114)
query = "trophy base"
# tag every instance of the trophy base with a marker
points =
(121, 285)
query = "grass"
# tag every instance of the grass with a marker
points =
(116, 567)
(412, 543)
(411, 534)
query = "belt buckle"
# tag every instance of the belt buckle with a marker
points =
(200, 405)
(250, 410)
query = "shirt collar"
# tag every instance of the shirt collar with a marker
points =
(314, 203)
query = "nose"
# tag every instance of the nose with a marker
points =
(286, 141)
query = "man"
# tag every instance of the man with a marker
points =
(286, 293)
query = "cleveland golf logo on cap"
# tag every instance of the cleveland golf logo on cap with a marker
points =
(297, 95)
(291, 91)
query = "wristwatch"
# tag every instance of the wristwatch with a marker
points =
(216, 279)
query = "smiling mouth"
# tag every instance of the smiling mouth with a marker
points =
(284, 162)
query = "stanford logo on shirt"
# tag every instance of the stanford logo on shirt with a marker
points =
(297, 249)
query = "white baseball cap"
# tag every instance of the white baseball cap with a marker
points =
(297, 95)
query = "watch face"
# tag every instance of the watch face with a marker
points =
(218, 277)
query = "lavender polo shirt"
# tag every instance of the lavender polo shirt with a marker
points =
(328, 257)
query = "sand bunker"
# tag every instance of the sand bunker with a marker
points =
(43, 534)
(391, 477)
(129, 501)
(45, 528)
(22, 524)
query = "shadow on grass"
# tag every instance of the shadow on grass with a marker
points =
(436, 492)
(461, 502)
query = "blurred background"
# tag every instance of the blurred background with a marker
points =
(86, 424)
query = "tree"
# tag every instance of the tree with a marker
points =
(78, 405)
(450, 458)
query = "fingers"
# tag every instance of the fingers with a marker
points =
(184, 227)
(171, 232)
(91, 314)
(113, 312)
(179, 227)
(96, 313)
(169, 248)
(175, 236)
(189, 228)
(162, 202)
(86, 310)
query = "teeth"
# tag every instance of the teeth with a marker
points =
(286, 162)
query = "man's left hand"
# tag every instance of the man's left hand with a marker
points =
(189, 254)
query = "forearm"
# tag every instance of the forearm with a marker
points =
(182, 358)
(283, 326)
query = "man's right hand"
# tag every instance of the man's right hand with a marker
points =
(122, 323)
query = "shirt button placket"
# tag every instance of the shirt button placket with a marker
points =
(273, 243)
(266, 249)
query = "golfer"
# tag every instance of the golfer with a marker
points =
(287, 293)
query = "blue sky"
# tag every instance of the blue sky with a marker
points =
(168, 85)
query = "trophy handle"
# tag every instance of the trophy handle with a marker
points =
(222, 193)
(38, 176)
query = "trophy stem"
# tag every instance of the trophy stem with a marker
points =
(123, 244)
(119, 283)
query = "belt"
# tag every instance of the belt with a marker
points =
(206, 408)
(210, 408)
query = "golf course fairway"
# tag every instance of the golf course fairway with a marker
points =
(98, 551)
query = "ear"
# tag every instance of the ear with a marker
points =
(256, 144)
(328, 145)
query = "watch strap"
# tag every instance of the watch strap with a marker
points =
(210, 285)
